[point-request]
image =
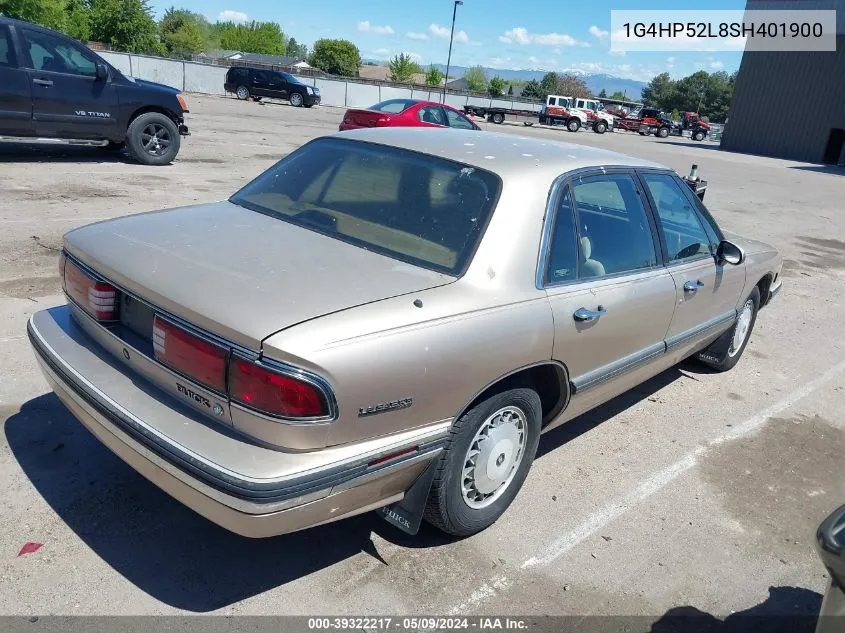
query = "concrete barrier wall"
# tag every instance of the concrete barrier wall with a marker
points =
(205, 78)
(361, 95)
(208, 79)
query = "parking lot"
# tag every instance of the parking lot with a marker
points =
(697, 490)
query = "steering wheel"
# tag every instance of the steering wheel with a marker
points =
(687, 251)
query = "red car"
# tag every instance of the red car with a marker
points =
(406, 113)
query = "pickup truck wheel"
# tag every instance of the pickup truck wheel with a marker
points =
(600, 127)
(497, 118)
(485, 462)
(242, 93)
(573, 125)
(296, 99)
(662, 132)
(153, 139)
(724, 353)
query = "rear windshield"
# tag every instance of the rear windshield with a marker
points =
(393, 106)
(417, 208)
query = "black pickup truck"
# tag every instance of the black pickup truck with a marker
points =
(53, 87)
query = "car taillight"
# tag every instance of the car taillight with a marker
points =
(273, 393)
(191, 355)
(382, 122)
(97, 298)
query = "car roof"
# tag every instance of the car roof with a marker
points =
(499, 152)
(29, 25)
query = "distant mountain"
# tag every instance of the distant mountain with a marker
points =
(595, 82)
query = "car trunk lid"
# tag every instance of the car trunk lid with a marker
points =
(239, 274)
(366, 118)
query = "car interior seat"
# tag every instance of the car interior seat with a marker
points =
(589, 267)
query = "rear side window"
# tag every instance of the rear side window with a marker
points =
(417, 208)
(392, 106)
(7, 53)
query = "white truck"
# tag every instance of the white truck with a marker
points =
(563, 110)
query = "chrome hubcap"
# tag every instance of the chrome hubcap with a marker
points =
(743, 324)
(493, 457)
(296, 99)
(242, 93)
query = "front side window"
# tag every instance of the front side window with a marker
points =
(614, 233)
(459, 121)
(54, 54)
(421, 209)
(433, 115)
(684, 235)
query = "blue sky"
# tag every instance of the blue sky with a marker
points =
(496, 33)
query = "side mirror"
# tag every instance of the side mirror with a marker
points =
(102, 72)
(730, 253)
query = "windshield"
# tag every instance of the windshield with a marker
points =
(417, 208)
(290, 78)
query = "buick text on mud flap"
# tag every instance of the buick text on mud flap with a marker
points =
(99, 115)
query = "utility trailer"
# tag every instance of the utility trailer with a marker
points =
(498, 115)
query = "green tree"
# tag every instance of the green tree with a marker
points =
(603, 94)
(533, 90)
(295, 49)
(403, 68)
(78, 20)
(49, 13)
(184, 33)
(476, 79)
(265, 38)
(548, 84)
(336, 57)
(619, 96)
(126, 25)
(496, 88)
(510, 90)
(434, 76)
(660, 92)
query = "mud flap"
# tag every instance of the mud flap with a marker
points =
(407, 514)
(718, 349)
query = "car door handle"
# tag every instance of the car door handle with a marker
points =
(693, 286)
(43, 82)
(582, 314)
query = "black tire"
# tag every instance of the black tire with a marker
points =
(296, 99)
(309, 105)
(722, 354)
(662, 132)
(447, 509)
(160, 150)
(600, 127)
(497, 118)
(528, 123)
(242, 93)
(573, 124)
(698, 136)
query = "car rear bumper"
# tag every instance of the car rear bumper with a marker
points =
(127, 415)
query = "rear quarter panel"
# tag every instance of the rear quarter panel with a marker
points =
(441, 354)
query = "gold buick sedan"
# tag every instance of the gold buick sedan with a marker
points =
(388, 320)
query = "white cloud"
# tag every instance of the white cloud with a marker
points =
(232, 16)
(616, 53)
(521, 35)
(442, 32)
(627, 71)
(671, 60)
(717, 65)
(533, 60)
(500, 62)
(414, 56)
(420, 37)
(365, 27)
(598, 33)
(382, 52)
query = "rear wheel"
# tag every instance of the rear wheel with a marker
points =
(485, 462)
(242, 93)
(153, 139)
(724, 353)
(600, 127)
(662, 132)
(573, 125)
(698, 136)
(497, 118)
(296, 99)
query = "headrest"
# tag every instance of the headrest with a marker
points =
(586, 247)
